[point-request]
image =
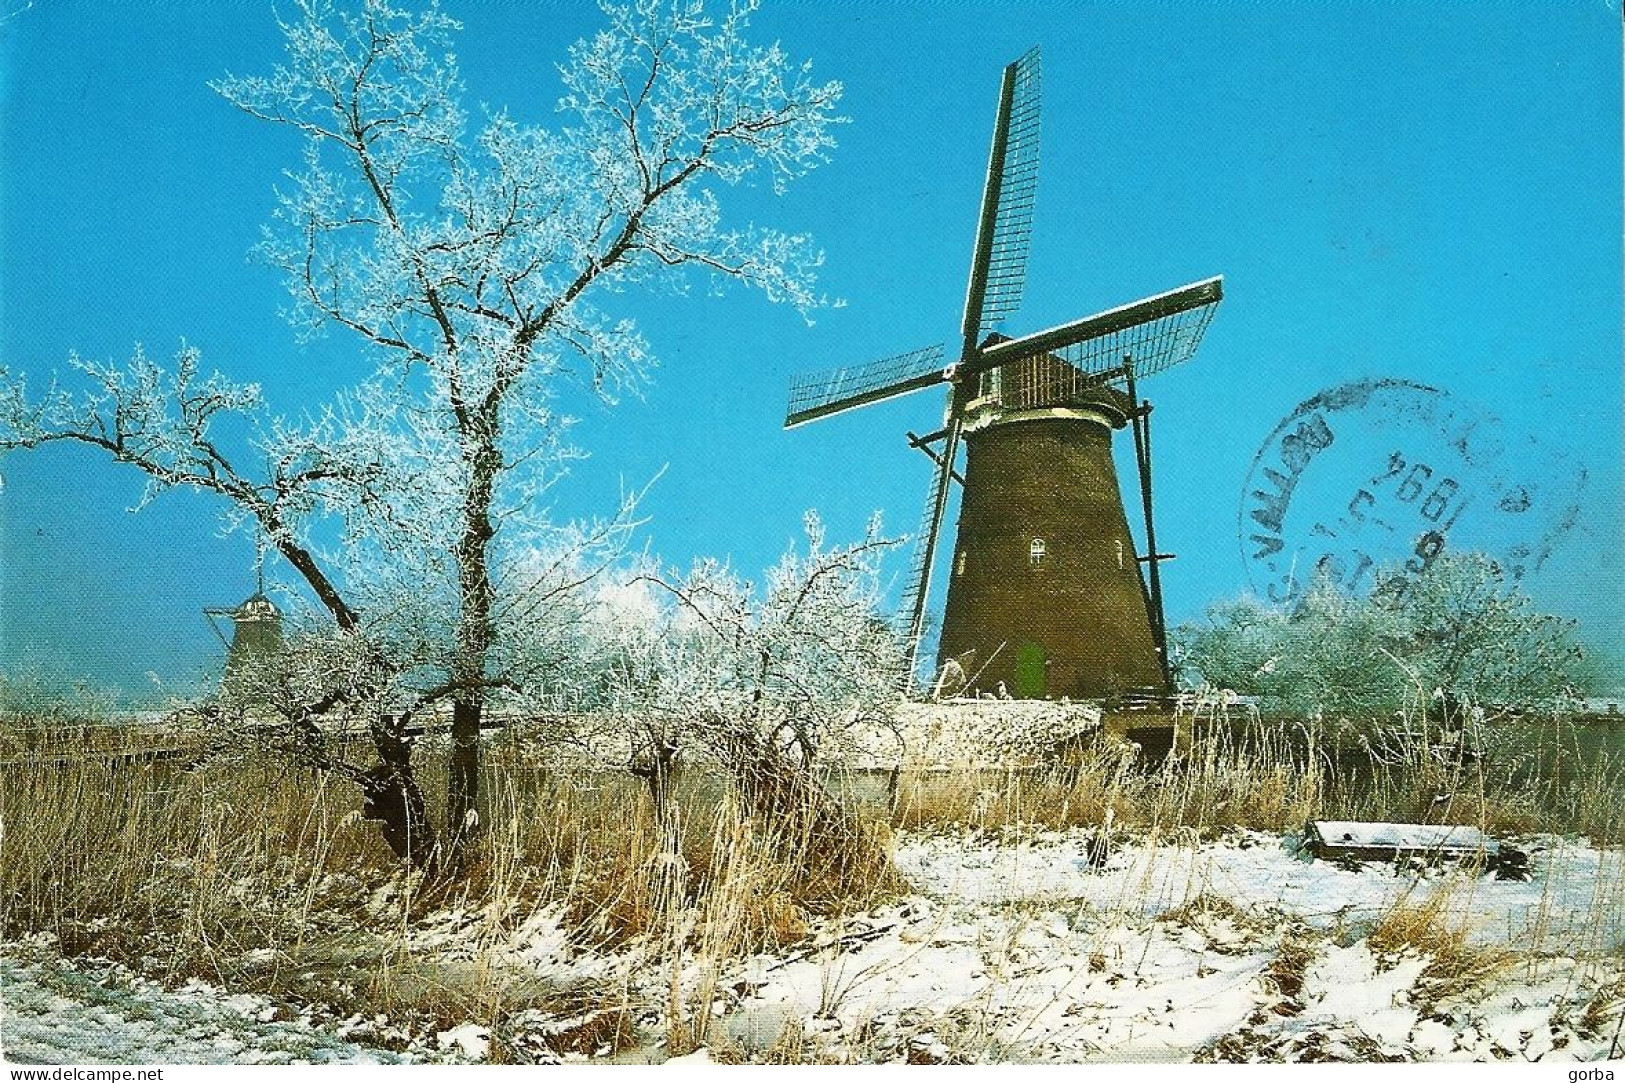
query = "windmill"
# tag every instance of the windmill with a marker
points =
(1046, 594)
(256, 623)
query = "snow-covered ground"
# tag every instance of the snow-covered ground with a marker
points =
(1009, 949)
(52, 1013)
(1574, 901)
(1023, 950)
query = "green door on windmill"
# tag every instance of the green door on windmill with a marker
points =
(1029, 671)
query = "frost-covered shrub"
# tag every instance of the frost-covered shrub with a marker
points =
(765, 681)
(722, 664)
(1457, 633)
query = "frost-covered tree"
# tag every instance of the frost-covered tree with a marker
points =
(1457, 633)
(768, 680)
(478, 266)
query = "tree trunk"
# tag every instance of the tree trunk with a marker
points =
(658, 772)
(392, 797)
(480, 430)
(463, 775)
(390, 792)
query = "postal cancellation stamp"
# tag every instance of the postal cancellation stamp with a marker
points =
(1367, 483)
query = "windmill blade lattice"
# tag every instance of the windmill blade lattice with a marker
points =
(1155, 346)
(1156, 333)
(1018, 193)
(999, 261)
(820, 394)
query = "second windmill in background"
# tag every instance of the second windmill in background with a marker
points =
(1046, 595)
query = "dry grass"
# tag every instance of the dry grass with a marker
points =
(225, 859)
(1273, 776)
(264, 878)
(1220, 786)
(1286, 971)
(1207, 906)
(1517, 776)
(1605, 1011)
(1428, 928)
(744, 904)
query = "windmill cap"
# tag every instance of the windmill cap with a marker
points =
(257, 607)
(1048, 381)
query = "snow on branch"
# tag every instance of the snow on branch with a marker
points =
(425, 242)
(790, 664)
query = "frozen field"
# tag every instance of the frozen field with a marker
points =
(1007, 950)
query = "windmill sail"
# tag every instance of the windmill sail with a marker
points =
(1158, 333)
(999, 264)
(1018, 192)
(820, 394)
(913, 602)
(919, 588)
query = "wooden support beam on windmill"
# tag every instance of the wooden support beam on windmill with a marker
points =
(924, 444)
(1044, 568)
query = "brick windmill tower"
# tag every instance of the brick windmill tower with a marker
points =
(1047, 596)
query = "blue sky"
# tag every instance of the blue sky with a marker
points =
(1422, 192)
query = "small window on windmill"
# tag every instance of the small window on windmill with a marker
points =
(1036, 551)
(959, 563)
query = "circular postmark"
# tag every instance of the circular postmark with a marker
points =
(1379, 477)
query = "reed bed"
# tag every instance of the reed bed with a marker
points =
(1274, 775)
(262, 876)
